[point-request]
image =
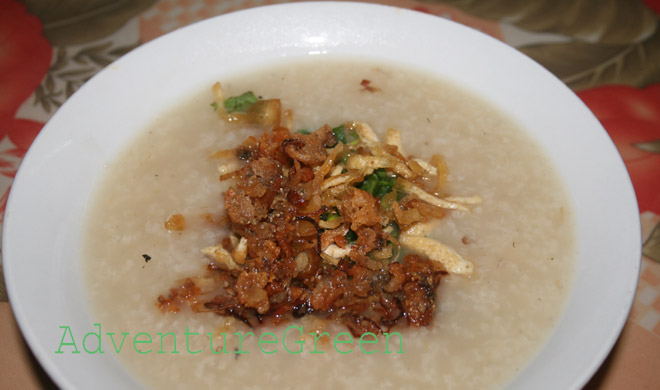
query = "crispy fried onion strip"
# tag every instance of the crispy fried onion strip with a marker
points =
(393, 137)
(221, 256)
(348, 165)
(365, 132)
(436, 251)
(368, 164)
(456, 203)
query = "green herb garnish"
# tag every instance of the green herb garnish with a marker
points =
(340, 133)
(350, 137)
(378, 183)
(240, 103)
(304, 131)
(351, 236)
(215, 106)
(329, 216)
(369, 184)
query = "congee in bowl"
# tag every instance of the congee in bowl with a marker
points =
(161, 209)
(322, 194)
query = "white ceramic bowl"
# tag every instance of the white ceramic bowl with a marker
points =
(42, 231)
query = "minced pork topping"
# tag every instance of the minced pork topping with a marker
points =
(331, 222)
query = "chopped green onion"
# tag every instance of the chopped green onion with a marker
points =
(215, 106)
(350, 137)
(378, 183)
(351, 236)
(304, 131)
(382, 174)
(240, 103)
(340, 133)
(329, 216)
(384, 187)
(369, 184)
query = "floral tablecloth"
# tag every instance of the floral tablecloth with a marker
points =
(607, 52)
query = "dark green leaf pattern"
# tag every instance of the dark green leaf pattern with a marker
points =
(70, 70)
(583, 65)
(609, 41)
(73, 22)
(602, 21)
(651, 248)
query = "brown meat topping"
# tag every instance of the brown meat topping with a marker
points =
(345, 294)
(260, 177)
(307, 148)
(286, 220)
(176, 222)
(250, 289)
(359, 208)
(327, 291)
(242, 209)
(398, 277)
(186, 292)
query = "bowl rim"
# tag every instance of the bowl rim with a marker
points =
(16, 206)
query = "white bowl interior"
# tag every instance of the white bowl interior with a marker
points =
(42, 231)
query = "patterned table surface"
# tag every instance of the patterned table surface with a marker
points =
(607, 52)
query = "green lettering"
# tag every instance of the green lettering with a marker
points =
(240, 341)
(224, 348)
(261, 340)
(317, 336)
(299, 342)
(111, 334)
(72, 343)
(98, 338)
(387, 342)
(349, 341)
(188, 333)
(162, 335)
(136, 341)
(374, 341)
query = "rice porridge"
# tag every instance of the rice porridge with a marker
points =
(487, 327)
